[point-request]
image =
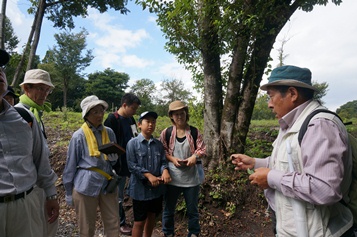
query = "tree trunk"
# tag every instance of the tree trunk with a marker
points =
(212, 81)
(25, 52)
(38, 25)
(2, 24)
(65, 90)
(226, 128)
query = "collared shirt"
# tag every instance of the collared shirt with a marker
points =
(316, 185)
(169, 148)
(23, 155)
(76, 175)
(145, 157)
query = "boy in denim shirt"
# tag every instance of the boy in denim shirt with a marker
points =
(148, 166)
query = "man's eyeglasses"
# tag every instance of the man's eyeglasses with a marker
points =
(43, 90)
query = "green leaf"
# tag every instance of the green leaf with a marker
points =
(250, 171)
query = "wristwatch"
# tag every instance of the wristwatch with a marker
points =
(52, 197)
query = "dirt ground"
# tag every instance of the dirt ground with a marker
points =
(249, 217)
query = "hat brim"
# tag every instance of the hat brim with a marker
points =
(36, 81)
(149, 114)
(288, 82)
(8, 92)
(93, 104)
(178, 108)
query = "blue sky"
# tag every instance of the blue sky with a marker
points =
(323, 40)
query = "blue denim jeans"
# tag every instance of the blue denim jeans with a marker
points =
(121, 190)
(170, 200)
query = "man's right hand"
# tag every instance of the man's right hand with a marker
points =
(242, 162)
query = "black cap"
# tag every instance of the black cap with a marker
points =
(148, 114)
(11, 92)
(4, 57)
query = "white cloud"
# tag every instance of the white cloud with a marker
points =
(324, 41)
(20, 22)
(135, 61)
(113, 37)
(174, 70)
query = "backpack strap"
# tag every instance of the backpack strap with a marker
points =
(168, 135)
(306, 122)
(194, 134)
(25, 115)
(193, 130)
(116, 115)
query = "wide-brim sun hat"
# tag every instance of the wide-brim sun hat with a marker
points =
(290, 76)
(4, 57)
(148, 114)
(91, 101)
(37, 76)
(176, 105)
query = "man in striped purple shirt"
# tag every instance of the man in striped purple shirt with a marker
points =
(320, 169)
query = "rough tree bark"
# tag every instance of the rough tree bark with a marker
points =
(2, 24)
(212, 80)
(39, 18)
(228, 134)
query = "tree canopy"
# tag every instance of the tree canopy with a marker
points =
(348, 110)
(69, 59)
(108, 85)
(229, 43)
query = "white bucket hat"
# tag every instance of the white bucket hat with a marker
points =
(91, 101)
(37, 76)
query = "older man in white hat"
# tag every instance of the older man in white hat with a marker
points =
(37, 86)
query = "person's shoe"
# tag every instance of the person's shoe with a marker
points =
(125, 230)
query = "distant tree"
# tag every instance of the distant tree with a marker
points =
(195, 109)
(61, 13)
(348, 110)
(171, 90)
(145, 89)
(261, 110)
(174, 89)
(322, 89)
(11, 40)
(108, 85)
(69, 58)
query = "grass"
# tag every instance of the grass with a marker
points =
(71, 121)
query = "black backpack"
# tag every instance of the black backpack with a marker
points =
(121, 167)
(193, 134)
